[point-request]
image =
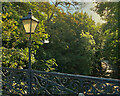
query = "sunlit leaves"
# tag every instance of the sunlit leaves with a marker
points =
(87, 38)
(46, 65)
(16, 58)
(109, 12)
(14, 40)
(50, 63)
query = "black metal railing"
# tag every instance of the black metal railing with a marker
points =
(15, 81)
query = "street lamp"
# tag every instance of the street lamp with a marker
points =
(30, 23)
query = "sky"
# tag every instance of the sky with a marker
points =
(88, 10)
(94, 15)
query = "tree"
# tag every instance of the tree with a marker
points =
(109, 12)
(73, 39)
(15, 41)
(71, 42)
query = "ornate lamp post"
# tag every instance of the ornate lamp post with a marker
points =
(30, 23)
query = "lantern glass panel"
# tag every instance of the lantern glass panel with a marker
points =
(34, 25)
(26, 24)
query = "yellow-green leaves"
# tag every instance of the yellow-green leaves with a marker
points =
(16, 58)
(50, 63)
(88, 38)
(15, 41)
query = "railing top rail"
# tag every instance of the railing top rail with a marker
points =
(78, 76)
(109, 80)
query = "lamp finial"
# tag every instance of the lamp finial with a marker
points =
(30, 11)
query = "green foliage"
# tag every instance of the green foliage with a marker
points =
(16, 58)
(72, 43)
(109, 12)
(75, 41)
(46, 65)
(14, 38)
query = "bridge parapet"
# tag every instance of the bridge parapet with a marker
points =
(15, 81)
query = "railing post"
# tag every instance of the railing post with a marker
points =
(29, 66)
(29, 73)
(81, 94)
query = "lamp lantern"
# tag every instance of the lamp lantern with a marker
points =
(30, 23)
